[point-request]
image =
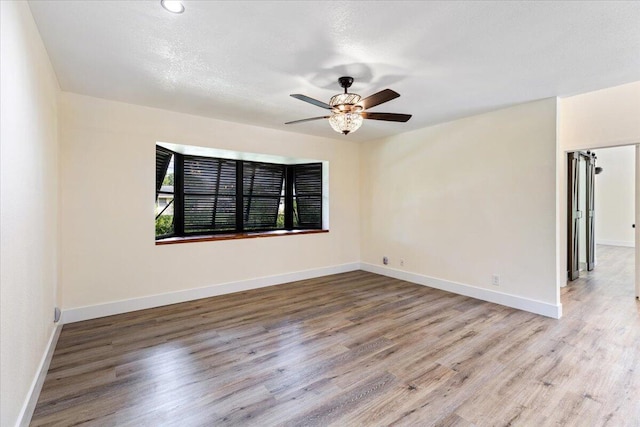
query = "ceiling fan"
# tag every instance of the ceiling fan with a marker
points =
(348, 109)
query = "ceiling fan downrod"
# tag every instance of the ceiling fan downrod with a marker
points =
(345, 82)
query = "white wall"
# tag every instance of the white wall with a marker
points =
(28, 205)
(107, 175)
(464, 200)
(598, 119)
(615, 196)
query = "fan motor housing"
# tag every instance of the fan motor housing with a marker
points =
(344, 101)
(345, 82)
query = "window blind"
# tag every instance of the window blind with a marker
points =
(262, 192)
(209, 194)
(307, 192)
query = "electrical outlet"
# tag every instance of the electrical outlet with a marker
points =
(385, 260)
(401, 263)
(495, 280)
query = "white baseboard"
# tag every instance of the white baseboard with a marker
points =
(513, 301)
(628, 244)
(26, 412)
(124, 306)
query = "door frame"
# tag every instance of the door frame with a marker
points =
(562, 187)
(637, 234)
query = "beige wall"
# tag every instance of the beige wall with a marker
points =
(603, 118)
(464, 200)
(598, 119)
(107, 205)
(28, 205)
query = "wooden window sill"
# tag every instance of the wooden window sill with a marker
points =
(235, 236)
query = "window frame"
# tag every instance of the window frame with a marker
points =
(239, 231)
(159, 181)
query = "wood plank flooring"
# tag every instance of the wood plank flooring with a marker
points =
(356, 349)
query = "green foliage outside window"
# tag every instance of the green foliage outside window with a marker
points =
(164, 225)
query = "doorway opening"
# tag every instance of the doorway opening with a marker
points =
(581, 212)
(601, 202)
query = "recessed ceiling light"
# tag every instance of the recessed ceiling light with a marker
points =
(173, 6)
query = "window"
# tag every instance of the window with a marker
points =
(199, 195)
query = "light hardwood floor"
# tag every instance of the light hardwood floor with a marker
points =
(357, 349)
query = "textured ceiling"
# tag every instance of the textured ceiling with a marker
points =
(239, 61)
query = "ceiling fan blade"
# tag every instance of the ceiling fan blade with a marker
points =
(306, 120)
(389, 117)
(311, 101)
(378, 98)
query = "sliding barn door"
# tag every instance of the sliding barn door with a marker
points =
(573, 217)
(590, 187)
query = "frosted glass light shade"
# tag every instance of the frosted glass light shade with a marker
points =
(345, 122)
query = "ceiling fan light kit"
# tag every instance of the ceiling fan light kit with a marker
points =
(345, 123)
(347, 109)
